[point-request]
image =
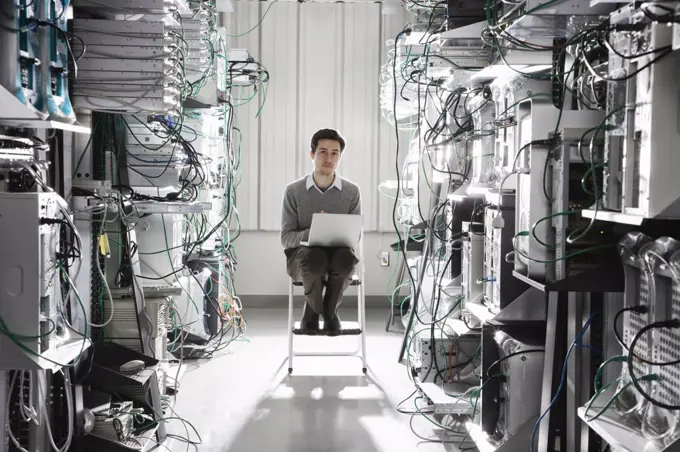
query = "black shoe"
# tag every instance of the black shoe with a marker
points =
(310, 321)
(332, 327)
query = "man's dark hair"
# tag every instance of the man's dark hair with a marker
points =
(327, 134)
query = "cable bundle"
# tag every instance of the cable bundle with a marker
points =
(129, 66)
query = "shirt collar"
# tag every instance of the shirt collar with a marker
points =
(337, 183)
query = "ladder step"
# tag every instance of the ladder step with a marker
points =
(348, 329)
(355, 282)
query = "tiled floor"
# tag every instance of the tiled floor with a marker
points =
(244, 401)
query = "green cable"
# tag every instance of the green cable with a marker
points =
(166, 419)
(597, 382)
(610, 402)
(265, 87)
(548, 217)
(584, 179)
(580, 233)
(568, 256)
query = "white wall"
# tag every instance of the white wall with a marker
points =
(324, 62)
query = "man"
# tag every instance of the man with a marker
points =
(322, 191)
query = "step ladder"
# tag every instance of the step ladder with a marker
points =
(349, 328)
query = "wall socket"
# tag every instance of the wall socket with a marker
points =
(384, 259)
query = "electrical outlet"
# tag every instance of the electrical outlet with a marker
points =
(385, 259)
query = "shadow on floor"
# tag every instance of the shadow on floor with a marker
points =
(315, 414)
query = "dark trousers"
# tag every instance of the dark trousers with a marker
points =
(315, 265)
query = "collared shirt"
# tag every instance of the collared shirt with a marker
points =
(337, 183)
(301, 202)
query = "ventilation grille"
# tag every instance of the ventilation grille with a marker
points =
(634, 322)
(667, 346)
(637, 157)
(616, 98)
(492, 255)
(124, 328)
(465, 270)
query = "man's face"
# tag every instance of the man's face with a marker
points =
(327, 156)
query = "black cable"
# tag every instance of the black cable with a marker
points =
(406, 31)
(511, 355)
(674, 323)
(665, 51)
(669, 18)
(471, 328)
(640, 309)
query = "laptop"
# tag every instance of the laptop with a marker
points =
(335, 230)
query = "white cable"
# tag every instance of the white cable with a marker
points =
(69, 411)
(102, 275)
(28, 414)
(22, 407)
(8, 406)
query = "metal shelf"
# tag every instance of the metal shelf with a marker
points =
(152, 207)
(12, 106)
(142, 442)
(523, 309)
(619, 432)
(533, 283)
(45, 124)
(613, 217)
(443, 402)
(457, 327)
(480, 311)
(606, 278)
(16, 114)
(193, 103)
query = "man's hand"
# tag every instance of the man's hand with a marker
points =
(322, 212)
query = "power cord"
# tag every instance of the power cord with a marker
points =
(640, 309)
(673, 323)
(507, 357)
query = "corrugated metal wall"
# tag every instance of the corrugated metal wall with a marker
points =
(324, 61)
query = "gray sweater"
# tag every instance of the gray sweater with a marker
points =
(302, 199)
